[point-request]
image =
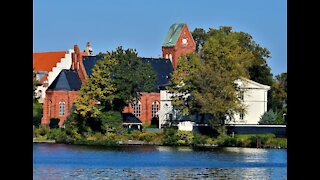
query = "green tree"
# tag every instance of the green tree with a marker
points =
(199, 36)
(259, 70)
(111, 121)
(278, 100)
(98, 91)
(268, 117)
(207, 84)
(37, 107)
(116, 81)
(131, 77)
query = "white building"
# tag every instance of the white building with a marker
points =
(253, 94)
(255, 98)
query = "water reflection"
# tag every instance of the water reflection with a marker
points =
(59, 161)
(163, 173)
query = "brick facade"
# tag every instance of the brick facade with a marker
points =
(180, 48)
(146, 100)
(51, 106)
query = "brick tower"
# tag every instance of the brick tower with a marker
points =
(178, 41)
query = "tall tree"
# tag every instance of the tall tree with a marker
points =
(131, 76)
(199, 36)
(278, 101)
(259, 70)
(99, 90)
(116, 81)
(207, 83)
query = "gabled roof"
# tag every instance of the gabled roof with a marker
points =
(173, 34)
(163, 68)
(67, 80)
(89, 62)
(130, 118)
(254, 84)
(45, 61)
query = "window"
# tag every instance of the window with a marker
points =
(170, 57)
(154, 108)
(167, 56)
(137, 108)
(241, 116)
(241, 95)
(61, 108)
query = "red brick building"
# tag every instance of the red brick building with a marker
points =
(65, 88)
(179, 41)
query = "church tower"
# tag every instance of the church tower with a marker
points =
(178, 41)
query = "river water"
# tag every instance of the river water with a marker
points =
(60, 161)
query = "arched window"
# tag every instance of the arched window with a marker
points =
(167, 56)
(154, 108)
(170, 57)
(61, 108)
(50, 109)
(137, 108)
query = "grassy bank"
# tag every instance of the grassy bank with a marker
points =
(169, 137)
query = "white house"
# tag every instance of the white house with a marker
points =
(255, 98)
(253, 94)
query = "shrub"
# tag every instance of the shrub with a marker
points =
(54, 133)
(154, 122)
(37, 113)
(54, 123)
(41, 131)
(147, 136)
(268, 117)
(170, 137)
(199, 139)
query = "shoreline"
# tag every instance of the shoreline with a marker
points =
(141, 143)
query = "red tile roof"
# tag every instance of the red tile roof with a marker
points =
(45, 61)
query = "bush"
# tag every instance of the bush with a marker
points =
(41, 131)
(170, 137)
(111, 121)
(268, 118)
(199, 139)
(37, 113)
(155, 122)
(147, 136)
(54, 123)
(54, 133)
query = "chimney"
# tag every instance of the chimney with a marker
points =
(75, 57)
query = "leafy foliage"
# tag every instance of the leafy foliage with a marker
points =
(268, 117)
(259, 70)
(205, 82)
(54, 123)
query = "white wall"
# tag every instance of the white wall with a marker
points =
(185, 126)
(165, 107)
(65, 63)
(255, 100)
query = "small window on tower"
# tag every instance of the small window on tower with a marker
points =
(167, 56)
(170, 57)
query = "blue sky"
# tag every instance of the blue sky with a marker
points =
(143, 24)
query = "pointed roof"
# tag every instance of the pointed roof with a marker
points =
(129, 118)
(173, 34)
(256, 84)
(66, 80)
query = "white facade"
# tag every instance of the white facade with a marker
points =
(65, 63)
(166, 110)
(254, 98)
